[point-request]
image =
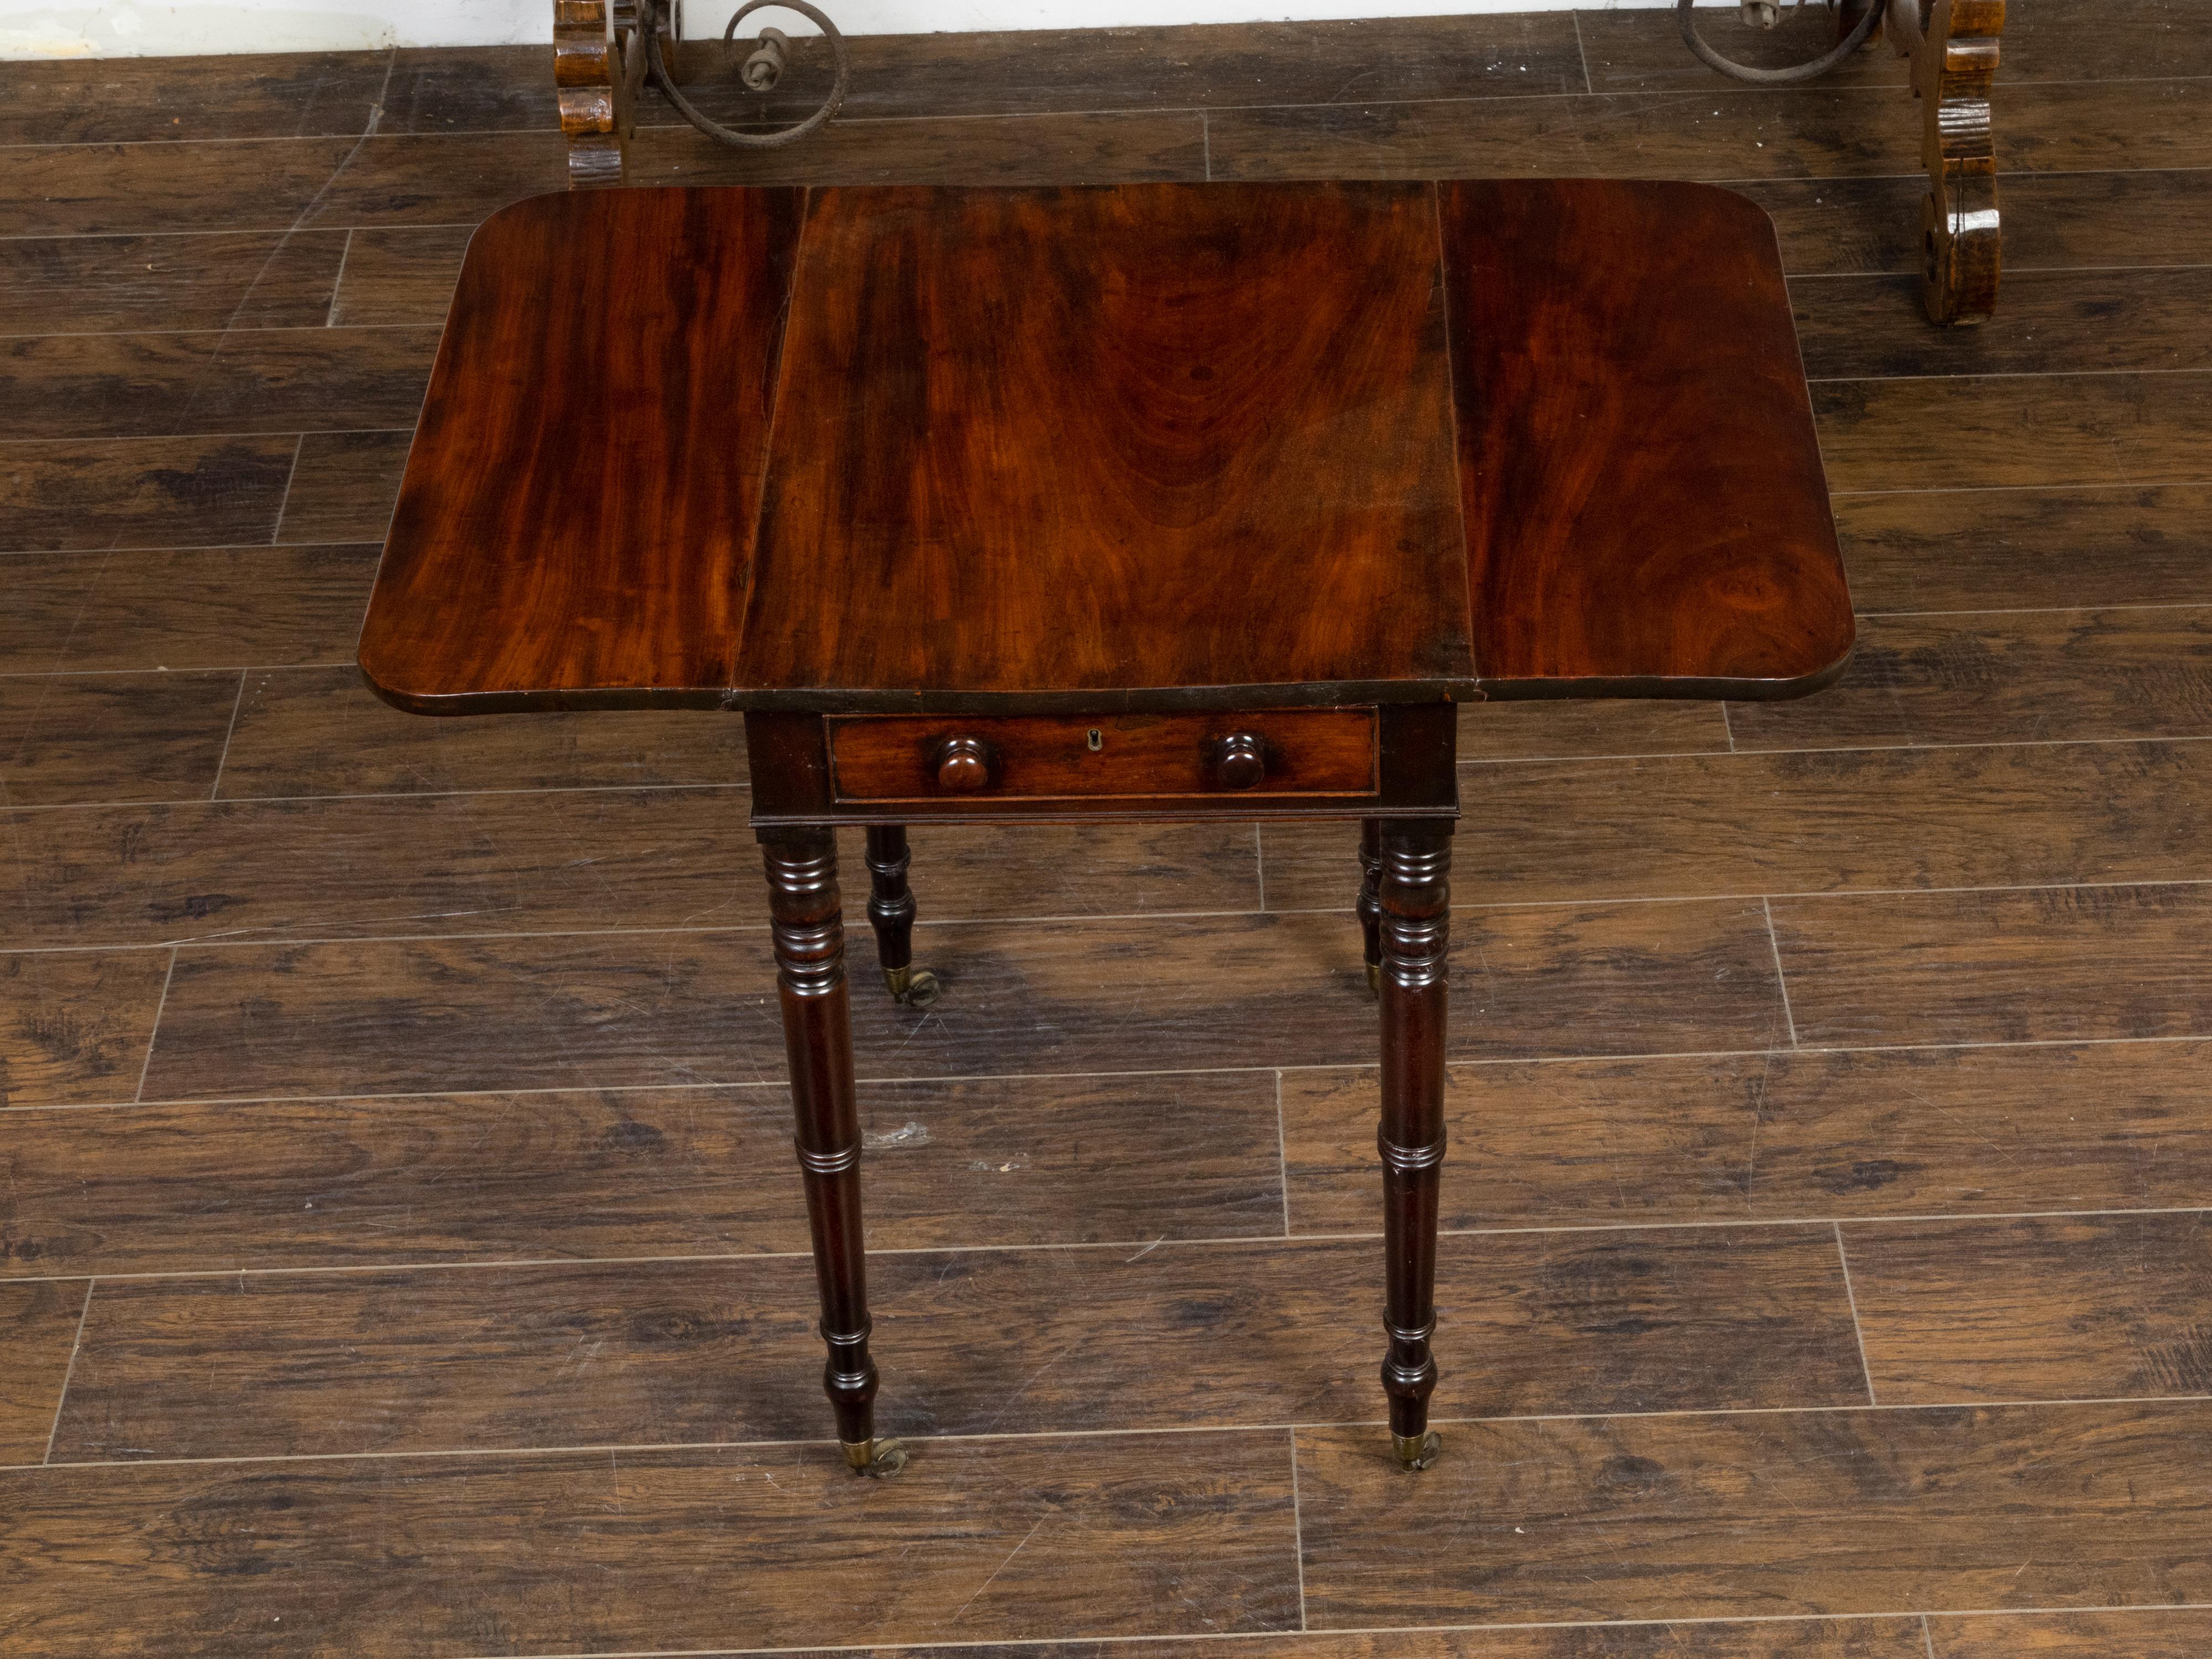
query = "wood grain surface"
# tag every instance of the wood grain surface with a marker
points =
(1695, 826)
(145, 492)
(470, 90)
(113, 737)
(1548, 730)
(393, 278)
(75, 1026)
(2053, 963)
(1865, 1638)
(323, 732)
(2153, 1633)
(1611, 320)
(292, 183)
(613, 1009)
(598, 599)
(1240, 439)
(295, 869)
(342, 487)
(2005, 430)
(39, 1326)
(710, 1547)
(677, 1352)
(2051, 322)
(632, 1173)
(1844, 226)
(2051, 1307)
(240, 380)
(1912, 1132)
(1738, 132)
(211, 281)
(2050, 548)
(594, 861)
(1645, 1174)
(1173, 422)
(2078, 674)
(280, 95)
(1686, 1517)
(185, 608)
(1046, 69)
(1079, 148)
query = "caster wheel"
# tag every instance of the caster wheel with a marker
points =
(1417, 1451)
(879, 1460)
(915, 986)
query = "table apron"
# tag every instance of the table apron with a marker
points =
(1414, 775)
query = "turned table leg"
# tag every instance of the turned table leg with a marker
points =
(818, 1035)
(1371, 902)
(1414, 898)
(890, 913)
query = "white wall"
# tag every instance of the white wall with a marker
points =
(122, 29)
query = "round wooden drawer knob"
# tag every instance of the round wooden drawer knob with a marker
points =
(1242, 761)
(963, 765)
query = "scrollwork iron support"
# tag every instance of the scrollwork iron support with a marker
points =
(605, 51)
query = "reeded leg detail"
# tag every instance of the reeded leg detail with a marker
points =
(890, 913)
(1414, 898)
(1370, 903)
(808, 932)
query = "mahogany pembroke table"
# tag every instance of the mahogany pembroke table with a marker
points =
(1142, 502)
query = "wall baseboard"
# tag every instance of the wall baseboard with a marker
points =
(129, 28)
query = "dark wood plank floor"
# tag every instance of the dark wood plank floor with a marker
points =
(401, 1251)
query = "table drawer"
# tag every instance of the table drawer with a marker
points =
(1295, 751)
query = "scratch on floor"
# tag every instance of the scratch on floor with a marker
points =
(1001, 1567)
(299, 223)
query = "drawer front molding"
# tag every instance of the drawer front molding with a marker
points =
(1268, 754)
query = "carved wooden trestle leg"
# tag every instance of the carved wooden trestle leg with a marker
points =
(593, 83)
(891, 912)
(1414, 898)
(1953, 46)
(809, 933)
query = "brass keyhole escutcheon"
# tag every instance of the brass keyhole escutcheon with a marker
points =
(1095, 740)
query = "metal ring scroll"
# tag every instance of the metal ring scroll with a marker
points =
(1780, 77)
(715, 130)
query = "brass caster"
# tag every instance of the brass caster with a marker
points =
(1375, 980)
(915, 986)
(880, 1459)
(1417, 1451)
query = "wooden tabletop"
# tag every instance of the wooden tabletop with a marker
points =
(1140, 446)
